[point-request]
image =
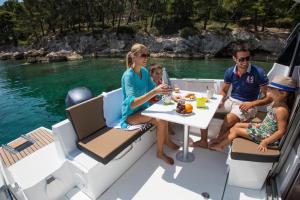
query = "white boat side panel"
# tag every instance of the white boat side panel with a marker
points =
(255, 177)
(196, 85)
(55, 186)
(38, 165)
(65, 138)
(76, 194)
(100, 177)
(235, 193)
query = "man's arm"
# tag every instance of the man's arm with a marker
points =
(266, 99)
(224, 91)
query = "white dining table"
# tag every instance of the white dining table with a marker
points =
(200, 118)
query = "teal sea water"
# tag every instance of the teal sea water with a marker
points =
(34, 95)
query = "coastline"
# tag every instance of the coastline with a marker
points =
(264, 46)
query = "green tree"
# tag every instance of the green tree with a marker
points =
(7, 27)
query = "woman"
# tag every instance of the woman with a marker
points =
(138, 89)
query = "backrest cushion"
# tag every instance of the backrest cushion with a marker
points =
(112, 107)
(87, 117)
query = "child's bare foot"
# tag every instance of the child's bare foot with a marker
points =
(172, 145)
(217, 148)
(166, 158)
(200, 143)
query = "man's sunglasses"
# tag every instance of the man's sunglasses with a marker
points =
(144, 55)
(242, 59)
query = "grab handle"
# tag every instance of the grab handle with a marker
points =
(125, 153)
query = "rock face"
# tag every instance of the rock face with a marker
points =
(207, 44)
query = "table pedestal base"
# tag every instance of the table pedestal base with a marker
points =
(189, 157)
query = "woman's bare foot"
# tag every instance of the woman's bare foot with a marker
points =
(172, 145)
(217, 148)
(200, 143)
(166, 158)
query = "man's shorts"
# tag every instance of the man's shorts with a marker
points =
(232, 105)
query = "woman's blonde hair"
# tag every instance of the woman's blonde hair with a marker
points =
(134, 49)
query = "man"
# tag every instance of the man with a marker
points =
(247, 80)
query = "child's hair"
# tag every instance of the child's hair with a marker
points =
(154, 67)
(134, 49)
(290, 100)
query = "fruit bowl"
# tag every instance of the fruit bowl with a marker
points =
(184, 109)
(185, 113)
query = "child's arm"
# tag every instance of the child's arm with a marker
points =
(282, 115)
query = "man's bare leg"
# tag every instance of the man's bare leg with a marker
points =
(229, 121)
(203, 140)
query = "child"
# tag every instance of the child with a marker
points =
(156, 75)
(273, 127)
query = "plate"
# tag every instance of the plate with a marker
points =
(188, 99)
(202, 107)
(185, 114)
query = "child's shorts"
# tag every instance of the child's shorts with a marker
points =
(254, 134)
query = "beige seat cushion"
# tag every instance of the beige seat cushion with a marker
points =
(107, 143)
(243, 149)
(94, 138)
(87, 117)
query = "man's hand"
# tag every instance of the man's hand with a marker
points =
(246, 106)
(262, 146)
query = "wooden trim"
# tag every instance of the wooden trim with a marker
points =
(42, 138)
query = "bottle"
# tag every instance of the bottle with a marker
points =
(209, 93)
(165, 80)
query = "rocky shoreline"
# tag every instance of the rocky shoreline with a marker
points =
(264, 46)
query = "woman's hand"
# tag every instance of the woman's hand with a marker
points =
(162, 89)
(262, 146)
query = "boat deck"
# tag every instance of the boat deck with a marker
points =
(24, 146)
(152, 178)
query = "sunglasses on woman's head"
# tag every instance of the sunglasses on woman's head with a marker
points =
(242, 59)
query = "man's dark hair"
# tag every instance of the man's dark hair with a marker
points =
(239, 46)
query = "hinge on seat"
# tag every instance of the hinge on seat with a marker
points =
(28, 138)
(9, 149)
